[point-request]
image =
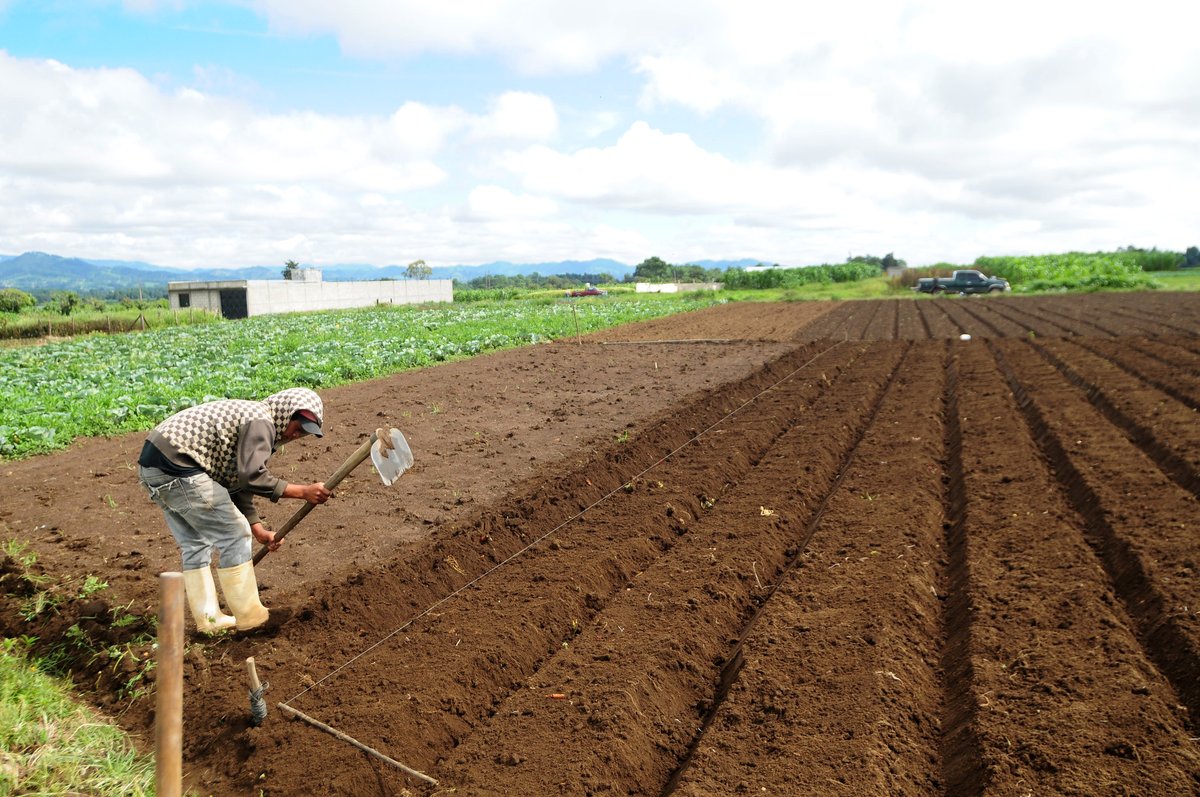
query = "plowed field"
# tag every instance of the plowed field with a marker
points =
(759, 549)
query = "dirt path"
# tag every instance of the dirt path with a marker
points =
(760, 549)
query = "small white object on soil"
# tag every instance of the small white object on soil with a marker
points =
(964, 336)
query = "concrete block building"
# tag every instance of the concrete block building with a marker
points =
(306, 291)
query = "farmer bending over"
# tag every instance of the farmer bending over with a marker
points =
(203, 466)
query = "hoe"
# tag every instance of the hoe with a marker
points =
(389, 452)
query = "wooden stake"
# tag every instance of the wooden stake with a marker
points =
(286, 709)
(168, 717)
(252, 672)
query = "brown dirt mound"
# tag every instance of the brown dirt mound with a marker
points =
(790, 549)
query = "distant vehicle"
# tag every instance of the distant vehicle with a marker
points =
(964, 281)
(587, 290)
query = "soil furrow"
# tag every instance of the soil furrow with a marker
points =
(1173, 439)
(1038, 326)
(831, 326)
(949, 321)
(858, 320)
(974, 319)
(1000, 597)
(848, 321)
(1155, 322)
(730, 677)
(1145, 360)
(572, 574)
(1169, 350)
(913, 325)
(883, 322)
(961, 751)
(640, 679)
(1127, 550)
(936, 320)
(839, 682)
(1066, 701)
(1076, 320)
(469, 663)
(824, 327)
(999, 325)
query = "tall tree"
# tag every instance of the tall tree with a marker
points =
(13, 300)
(417, 270)
(653, 269)
(65, 302)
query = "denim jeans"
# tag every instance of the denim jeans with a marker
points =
(201, 516)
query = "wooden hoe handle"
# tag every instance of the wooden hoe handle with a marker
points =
(352, 462)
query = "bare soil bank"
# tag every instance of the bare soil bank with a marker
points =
(761, 549)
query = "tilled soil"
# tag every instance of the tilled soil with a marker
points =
(757, 549)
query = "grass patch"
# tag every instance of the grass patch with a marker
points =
(74, 631)
(49, 744)
(37, 323)
(1181, 280)
(880, 287)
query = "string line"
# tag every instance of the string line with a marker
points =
(573, 518)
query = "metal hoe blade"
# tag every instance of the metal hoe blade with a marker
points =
(390, 454)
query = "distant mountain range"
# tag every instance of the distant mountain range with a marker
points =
(40, 273)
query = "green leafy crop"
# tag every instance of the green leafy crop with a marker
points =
(109, 384)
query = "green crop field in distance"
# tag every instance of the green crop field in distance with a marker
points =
(108, 384)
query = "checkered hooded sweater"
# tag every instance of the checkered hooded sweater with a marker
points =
(232, 439)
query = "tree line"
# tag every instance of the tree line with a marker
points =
(652, 269)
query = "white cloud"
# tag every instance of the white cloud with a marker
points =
(639, 171)
(215, 79)
(493, 203)
(113, 124)
(534, 36)
(796, 132)
(650, 171)
(1023, 99)
(520, 116)
(593, 124)
(86, 154)
(699, 86)
(420, 129)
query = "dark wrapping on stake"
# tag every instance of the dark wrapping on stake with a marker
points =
(258, 706)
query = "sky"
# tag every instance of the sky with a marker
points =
(387, 131)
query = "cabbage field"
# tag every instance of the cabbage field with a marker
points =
(108, 384)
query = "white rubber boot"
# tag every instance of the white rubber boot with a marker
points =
(241, 593)
(202, 599)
